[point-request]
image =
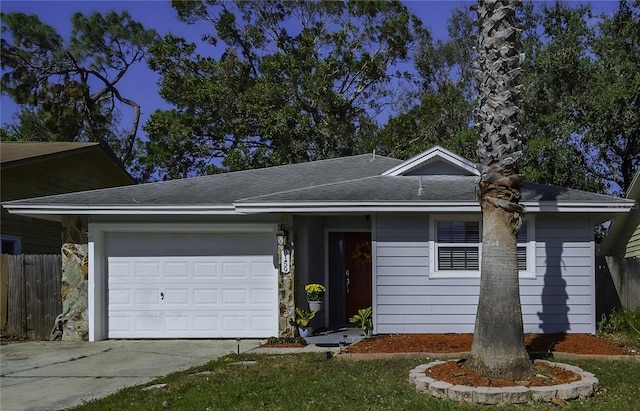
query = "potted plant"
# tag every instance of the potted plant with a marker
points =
(364, 320)
(315, 294)
(303, 317)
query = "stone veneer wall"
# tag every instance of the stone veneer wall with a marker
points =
(286, 287)
(75, 278)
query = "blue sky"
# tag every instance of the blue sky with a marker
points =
(141, 83)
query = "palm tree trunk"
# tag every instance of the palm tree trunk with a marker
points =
(498, 348)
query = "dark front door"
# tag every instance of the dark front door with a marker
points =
(357, 272)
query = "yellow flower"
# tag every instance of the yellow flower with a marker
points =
(315, 292)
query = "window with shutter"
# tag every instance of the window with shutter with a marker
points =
(456, 247)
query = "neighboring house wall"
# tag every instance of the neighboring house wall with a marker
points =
(619, 259)
(626, 242)
(558, 299)
(632, 230)
(68, 173)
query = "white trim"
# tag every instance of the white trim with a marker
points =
(437, 151)
(117, 209)
(374, 272)
(594, 319)
(96, 288)
(433, 261)
(240, 208)
(422, 206)
(185, 227)
(357, 207)
(529, 273)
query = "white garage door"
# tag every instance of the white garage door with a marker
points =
(216, 296)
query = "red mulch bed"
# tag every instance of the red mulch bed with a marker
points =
(459, 374)
(450, 343)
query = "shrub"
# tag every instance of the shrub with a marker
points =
(620, 321)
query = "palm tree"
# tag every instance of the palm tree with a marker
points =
(498, 348)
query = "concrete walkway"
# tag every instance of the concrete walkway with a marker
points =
(55, 375)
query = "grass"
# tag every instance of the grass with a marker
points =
(310, 382)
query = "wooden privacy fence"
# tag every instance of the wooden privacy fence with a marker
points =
(626, 277)
(31, 294)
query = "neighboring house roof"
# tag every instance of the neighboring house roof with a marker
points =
(14, 152)
(364, 183)
(18, 153)
(625, 229)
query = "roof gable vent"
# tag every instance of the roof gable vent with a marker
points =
(435, 161)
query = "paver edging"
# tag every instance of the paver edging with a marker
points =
(398, 356)
(556, 355)
(585, 387)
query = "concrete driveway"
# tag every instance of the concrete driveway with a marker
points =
(55, 375)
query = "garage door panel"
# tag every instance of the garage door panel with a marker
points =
(204, 297)
(177, 270)
(147, 297)
(261, 323)
(120, 323)
(120, 298)
(205, 270)
(234, 270)
(120, 270)
(234, 296)
(148, 322)
(177, 323)
(146, 270)
(206, 323)
(176, 296)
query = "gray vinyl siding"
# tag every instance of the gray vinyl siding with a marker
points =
(408, 300)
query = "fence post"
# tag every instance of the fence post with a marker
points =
(4, 289)
(15, 295)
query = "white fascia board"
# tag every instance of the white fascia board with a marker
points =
(369, 206)
(183, 227)
(436, 151)
(21, 209)
(421, 206)
(577, 207)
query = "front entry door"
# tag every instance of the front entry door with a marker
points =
(357, 272)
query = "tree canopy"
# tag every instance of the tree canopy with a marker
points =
(296, 81)
(286, 82)
(68, 90)
(579, 123)
(582, 89)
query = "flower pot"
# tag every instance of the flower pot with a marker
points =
(315, 305)
(305, 331)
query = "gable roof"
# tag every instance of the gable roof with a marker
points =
(431, 156)
(363, 183)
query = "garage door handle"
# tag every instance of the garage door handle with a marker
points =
(162, 296)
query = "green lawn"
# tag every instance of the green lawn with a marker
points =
(310, 382)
